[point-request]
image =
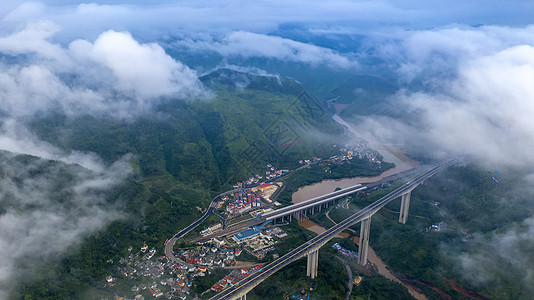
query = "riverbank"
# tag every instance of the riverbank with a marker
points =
(389, 154)
(372, 257)
(329, 185)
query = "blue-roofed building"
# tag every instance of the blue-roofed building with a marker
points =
(247, 234)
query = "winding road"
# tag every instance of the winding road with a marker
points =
(350, 282)
(170, 243)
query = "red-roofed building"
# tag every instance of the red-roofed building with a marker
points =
(265, 186)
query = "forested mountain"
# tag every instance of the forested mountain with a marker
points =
(182, 154)
(201, 141)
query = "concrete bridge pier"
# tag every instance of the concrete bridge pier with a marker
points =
(404, 208)
(364, 241)
(313, 264)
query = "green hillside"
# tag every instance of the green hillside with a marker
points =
(206, 142)
(184, 153)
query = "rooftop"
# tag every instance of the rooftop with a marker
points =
(247, 233)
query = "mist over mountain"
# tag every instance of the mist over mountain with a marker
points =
(48, 207)
(94, 94)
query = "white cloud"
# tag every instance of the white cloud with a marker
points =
(15, 138)
(436, 54)
(508, 248)
(486, 111)
(33, 39)
(44, 213)
(146, 17)
(144, 69)
(245, 23)
(115, 75)
(22, 10)
(249, 44)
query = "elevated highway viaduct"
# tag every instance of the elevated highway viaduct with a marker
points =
(311, 247)
(298, 210)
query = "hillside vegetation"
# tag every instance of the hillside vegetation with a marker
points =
(184, 153)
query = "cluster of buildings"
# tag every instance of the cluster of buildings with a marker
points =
(360, 151)
(252, 180)
(241, 202)
(271, 173)
(205, 256)
(224, 283)
(257, 242)
(260, 242)
(308, 161)
(279, 233)
(234, 277)
(349, 152)
(154, 277)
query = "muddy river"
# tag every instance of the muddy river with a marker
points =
(372, 257)
(390, 154)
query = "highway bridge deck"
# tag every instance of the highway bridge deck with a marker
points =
(313, 202)
(250, 282)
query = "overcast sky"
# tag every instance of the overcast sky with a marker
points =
(153, 18)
